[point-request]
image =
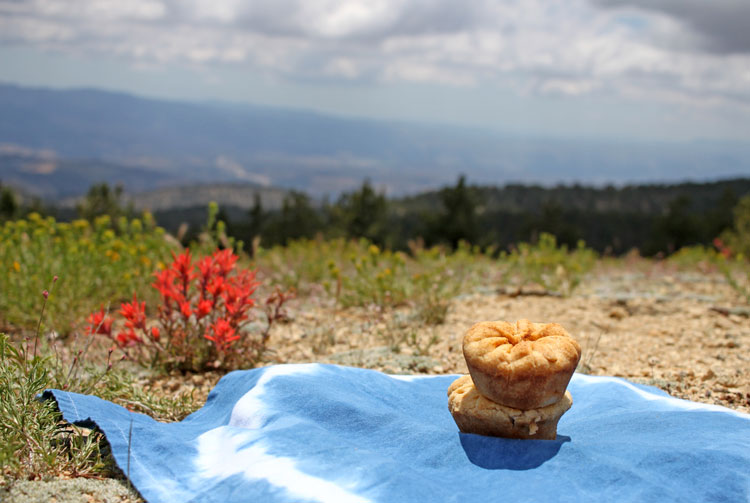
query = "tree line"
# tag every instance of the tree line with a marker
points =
(655, 219)
(688, 214)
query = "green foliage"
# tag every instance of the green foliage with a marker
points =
(296, 220)
(439, 275)
(734, 250)
(214, 234)
(737, 273)
(362, 214)
(694, 258)
(102, 200)
(458, 219)
(371, 276)
(103, 262)
(737, 239)
(33, 441)
(359, 273)
(9, 207)
(304, 263)
(551, 266)
(679, 226)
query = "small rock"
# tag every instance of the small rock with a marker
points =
(618, 313)
(708, 375)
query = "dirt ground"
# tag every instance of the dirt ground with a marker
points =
(686, 333)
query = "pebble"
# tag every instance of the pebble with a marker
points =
(710, 374)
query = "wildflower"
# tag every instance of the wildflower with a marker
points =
(206, 271)
(222, 334)
(216, 286)
(725, 251)
(183, 267)
(225, 261)
(134, 314)
(100, 323)
(128, 338)
(155, 333)
(45, 294)
(182, 264)
(204, 307)
(165, 284)
(185, 309)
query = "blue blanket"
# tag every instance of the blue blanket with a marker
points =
(323, 433)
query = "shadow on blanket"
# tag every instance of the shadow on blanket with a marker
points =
(509, 454)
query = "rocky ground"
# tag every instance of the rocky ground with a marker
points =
(686, 333)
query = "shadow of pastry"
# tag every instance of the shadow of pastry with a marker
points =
(494, 453)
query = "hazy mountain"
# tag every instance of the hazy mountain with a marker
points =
(56, 143)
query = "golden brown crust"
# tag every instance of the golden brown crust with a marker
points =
(474, 413)
(523, 365)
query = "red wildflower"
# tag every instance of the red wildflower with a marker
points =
(222, 333)
(723, 249)
(100, 323)
(215, 286)
(204, 307)
(155, 333)
(183, 263)
(185, 309)
(183, 267)
(224, 260)
(134, 314)
(165, 284)
(206, 270)
(128, 338)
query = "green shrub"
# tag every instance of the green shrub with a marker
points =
(737, 239)
(99, 262)
(371, 276)
(695, 258)
(439, 276)
(304, 262)
(550, 266)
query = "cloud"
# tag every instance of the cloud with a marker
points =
(721, 25)
(681, 51)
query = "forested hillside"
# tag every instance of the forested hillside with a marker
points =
(652, 218)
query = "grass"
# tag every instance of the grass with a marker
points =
(34, 441)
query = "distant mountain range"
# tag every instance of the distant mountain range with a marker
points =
(56, 143)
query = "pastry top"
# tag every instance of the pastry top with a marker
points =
(523, 349)
(464, 397)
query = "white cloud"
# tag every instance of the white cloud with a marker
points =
(655, 51)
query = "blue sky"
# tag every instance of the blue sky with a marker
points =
(630, 69)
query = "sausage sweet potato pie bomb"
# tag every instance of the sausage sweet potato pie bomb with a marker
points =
(519, 375)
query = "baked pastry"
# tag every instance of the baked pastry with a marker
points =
(474, 413)
(524, 366)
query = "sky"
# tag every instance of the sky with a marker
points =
(676, 70)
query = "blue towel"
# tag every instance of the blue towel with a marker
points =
(325, 433)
